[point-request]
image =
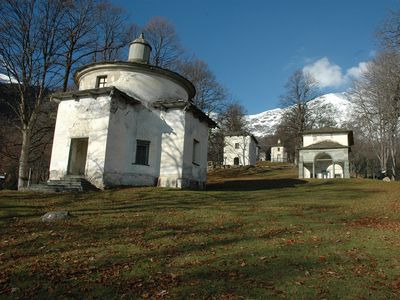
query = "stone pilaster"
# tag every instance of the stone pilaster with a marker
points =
(301, 170)
(346, 169)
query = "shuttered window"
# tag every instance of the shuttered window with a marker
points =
(196, 152)
(142, 152)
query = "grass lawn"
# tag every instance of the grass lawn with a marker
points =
(255, 233)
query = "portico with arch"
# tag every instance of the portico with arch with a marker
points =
(325, 154)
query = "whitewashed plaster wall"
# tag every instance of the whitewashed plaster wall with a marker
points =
(171, 135)
(113, 133)
(307, 171)
(195, 174)
(128, 123)
(243, 152)
(341, 138)
(278, 154)
(85, 118)
(309, 155)
(172, 147)
(139, 84)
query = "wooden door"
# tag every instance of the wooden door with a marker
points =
(77, 156)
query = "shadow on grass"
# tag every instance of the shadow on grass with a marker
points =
(15, 195)
(252, 185)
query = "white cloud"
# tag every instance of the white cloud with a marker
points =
(356, 72)
(330, 75)
(327, 74)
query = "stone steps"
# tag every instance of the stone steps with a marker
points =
(67, 184)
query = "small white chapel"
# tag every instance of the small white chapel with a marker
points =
(240, 149)
(325, 153)
(130, 124)
(278, 153)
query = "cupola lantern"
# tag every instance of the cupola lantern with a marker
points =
(139, 50)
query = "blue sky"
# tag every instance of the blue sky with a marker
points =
(253, 46)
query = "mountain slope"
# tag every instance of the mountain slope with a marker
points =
(265, 123)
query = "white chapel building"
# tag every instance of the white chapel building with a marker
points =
(325, 153)
(130, 123)
(240, 149)
(278, 153)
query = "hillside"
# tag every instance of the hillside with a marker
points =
(265, 123)
(255, 233)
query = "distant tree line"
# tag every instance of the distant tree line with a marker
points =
(377, 99)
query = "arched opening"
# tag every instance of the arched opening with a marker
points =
(326, 167)
(336, 170)
(236, 161)
(322, 162)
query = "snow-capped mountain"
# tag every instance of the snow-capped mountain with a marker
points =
(6, 79)
(3, 78)
(339, 104)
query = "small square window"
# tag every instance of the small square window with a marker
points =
(196, 152)
(237, 145)
(142, 152)
(101, 81)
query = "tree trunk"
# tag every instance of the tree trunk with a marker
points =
(66, 75)
(393, 149)
(23, 161)
(393, 156)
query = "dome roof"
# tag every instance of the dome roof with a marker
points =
(141, 40)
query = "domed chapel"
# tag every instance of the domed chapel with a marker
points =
(130, 123)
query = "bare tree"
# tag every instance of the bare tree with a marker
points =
(113, 32)
(322, 115)
(166, 47)
(364, 162)
(377, 99)
(30, 35)
(167, 52)
(79, 27)
(210, 95)
(300, 89)
(41, 141)
(233, 119)
(92, 30)
(389, 33)
(215, 146)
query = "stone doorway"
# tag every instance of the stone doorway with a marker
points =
(77, 156)
(236, 161)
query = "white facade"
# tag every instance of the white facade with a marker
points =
(140, 81)
(262, 155)
(240, 150)
(337, 137)
(278, 153)
(325, 154)
(130, 124)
